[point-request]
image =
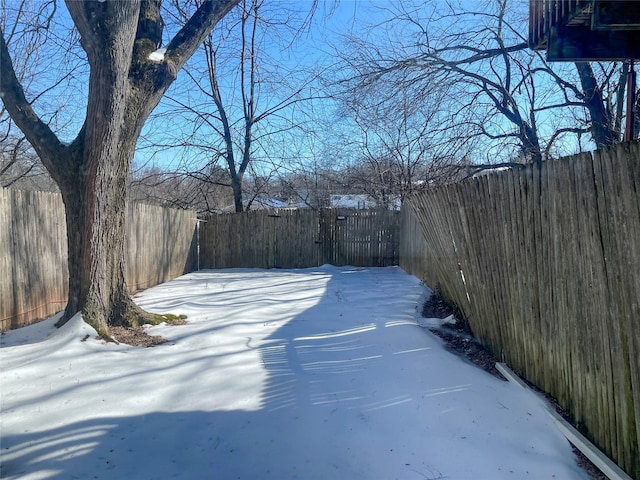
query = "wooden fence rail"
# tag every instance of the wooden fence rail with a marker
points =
(300, 238)
(545, 265)
(33, 252)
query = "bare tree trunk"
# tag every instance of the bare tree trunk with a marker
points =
(77, 248)
(530, 144)
(96, 256)
(95, 203)
(124, 87)
(95, 212)
(236, 185)
(603, 129)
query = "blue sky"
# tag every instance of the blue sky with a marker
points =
(313, 47)
(316, 48)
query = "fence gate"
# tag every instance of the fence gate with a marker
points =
(367, 238)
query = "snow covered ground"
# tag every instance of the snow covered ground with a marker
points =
(312, 374)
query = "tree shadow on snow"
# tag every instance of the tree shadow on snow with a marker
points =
(315, 407)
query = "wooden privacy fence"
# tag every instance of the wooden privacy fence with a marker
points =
(161, 245)
(299, 238)
(545, 265)
(33, 257)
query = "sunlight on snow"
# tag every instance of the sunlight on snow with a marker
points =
(342, 333)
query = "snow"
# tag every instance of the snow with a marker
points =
(317, 373)
(157, 55)
(489, 171)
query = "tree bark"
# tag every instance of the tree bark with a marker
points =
(124, 87)
(603, 130)
(236, 186)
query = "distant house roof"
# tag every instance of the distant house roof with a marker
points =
(351, 200)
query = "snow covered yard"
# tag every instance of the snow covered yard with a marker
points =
(312, 374)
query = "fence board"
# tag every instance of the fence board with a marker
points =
(33, 245)
(551, 262)
(161, 244)
(412, 244)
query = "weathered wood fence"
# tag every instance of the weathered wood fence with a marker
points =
(299, 238)
(545, 265)
(162, 244)
(33, 252)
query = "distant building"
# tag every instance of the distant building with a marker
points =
(260, 203)
(360, 201)
(353, 200)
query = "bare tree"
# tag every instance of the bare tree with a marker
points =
(309, 184)
(396, 145)
(30, 26)
(128, 77)
(508, 98)
(603, 93)
(201, 192)
(241, 100)
(475, 57)
(21, 168)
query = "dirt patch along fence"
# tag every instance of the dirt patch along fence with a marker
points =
(161, 245)
(545, 265)
(299, 239)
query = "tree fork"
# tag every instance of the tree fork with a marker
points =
(124, 87)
